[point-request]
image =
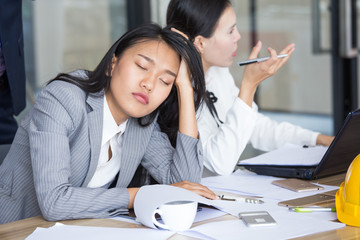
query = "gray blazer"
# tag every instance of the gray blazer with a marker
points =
(55, 153)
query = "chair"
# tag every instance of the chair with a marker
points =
(4, 149)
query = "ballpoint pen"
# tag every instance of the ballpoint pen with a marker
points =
(312, 209)
(240, 199)
(259, 59)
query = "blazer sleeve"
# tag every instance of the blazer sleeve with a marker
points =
(168, 165)
(56, 119)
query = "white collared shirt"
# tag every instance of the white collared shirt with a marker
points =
(112, 136)
(224, 143)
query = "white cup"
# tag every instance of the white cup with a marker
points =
(177, 216)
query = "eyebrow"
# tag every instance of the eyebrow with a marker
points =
(233, 26)
(153, 62)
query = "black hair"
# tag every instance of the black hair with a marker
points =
(168, 112)
(197, 18)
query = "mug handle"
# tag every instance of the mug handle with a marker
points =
(158, 211)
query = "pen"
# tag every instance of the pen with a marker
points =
(241, 199)
(259, 59)
(312, 209)
(307, 146)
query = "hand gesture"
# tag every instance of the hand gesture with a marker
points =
(255, 73)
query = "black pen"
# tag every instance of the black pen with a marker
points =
(246, 62)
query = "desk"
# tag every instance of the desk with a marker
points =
(23, 228)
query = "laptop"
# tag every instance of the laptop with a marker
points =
(337, 158)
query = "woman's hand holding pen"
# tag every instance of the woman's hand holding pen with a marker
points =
(255, 73)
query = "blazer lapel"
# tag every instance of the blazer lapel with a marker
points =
(135, 141)
(95, 119)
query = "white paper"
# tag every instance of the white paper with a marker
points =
(208, 213)
(149, 198)
(70, 232)
(245, 182)
(249, 183)
(287, 227)
(289, 154)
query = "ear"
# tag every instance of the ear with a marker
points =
(200, 43)
(113, 63)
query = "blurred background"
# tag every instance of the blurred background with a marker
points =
(315, 89)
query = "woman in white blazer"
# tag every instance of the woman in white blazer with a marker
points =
(61, 163)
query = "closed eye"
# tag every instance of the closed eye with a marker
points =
(165, 82)
(140, 66)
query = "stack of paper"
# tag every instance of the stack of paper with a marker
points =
(289, 154)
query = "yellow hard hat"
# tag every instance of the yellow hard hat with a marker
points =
(347, 198)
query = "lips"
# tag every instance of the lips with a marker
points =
(234, 53)
(142, 98)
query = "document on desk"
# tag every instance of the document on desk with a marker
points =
(70, 232)
(248, 183)
(288, 226)
(150, 197)
(290, 154)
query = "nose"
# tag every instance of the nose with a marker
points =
(238, 36)
(147, 83)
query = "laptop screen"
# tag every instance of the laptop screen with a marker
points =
(344, 148)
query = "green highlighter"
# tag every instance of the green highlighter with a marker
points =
(312, 209)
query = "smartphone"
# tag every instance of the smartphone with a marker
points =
(306, 201)
(297, 185)
(257, 219)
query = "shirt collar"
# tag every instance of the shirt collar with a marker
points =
(110, 127)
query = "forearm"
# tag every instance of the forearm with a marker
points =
(188, 160)
(79, 202)
(168, 165)
(187, 115)
(269, 134)
(247, 92)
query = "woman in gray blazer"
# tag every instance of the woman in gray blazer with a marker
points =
(150, 83)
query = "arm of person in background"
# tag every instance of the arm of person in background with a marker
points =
(254, 74)
(269, 134)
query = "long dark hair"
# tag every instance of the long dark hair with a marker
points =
(168, 112)
(197, 18)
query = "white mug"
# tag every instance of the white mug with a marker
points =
(177, 216)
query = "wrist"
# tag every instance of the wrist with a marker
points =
(184, 86)
(185, 91)
(247, 92)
